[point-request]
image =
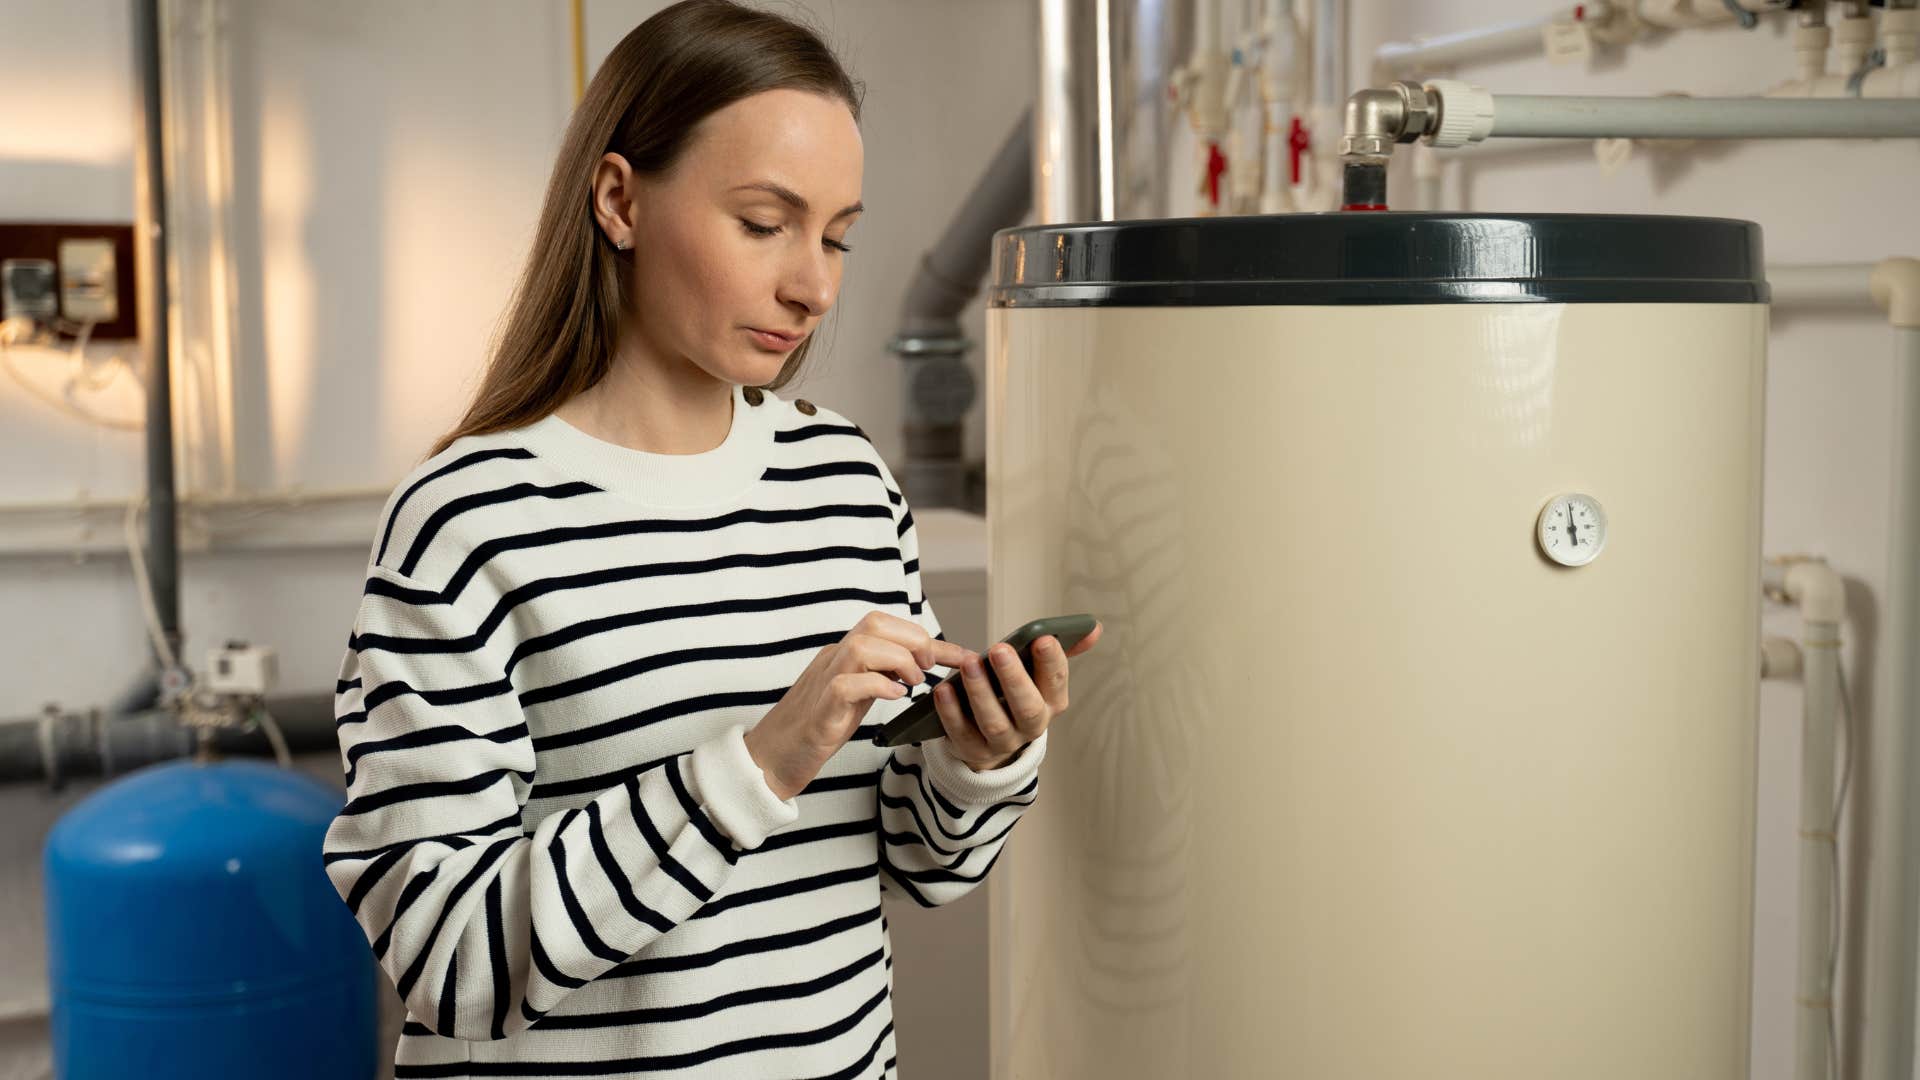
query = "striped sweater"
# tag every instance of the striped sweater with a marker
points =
(554, 838)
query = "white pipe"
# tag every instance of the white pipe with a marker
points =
(1852, 38)
(1320, 166)
(1556, 116)
(1810, 44)
(1852, 41)
(1881, 82)
(1329, 52)
(1441, 52)
(1279, 63)
(1893, 955)
(1821, 596)
(1426, 177)
(1685, 14)
(1780, 658)
(1828, 285)
(1201, 87)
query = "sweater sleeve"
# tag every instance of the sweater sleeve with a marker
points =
(942, 825)
(482, 925)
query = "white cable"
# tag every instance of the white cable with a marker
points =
(1839, 812)
(85, 368)
(272, 727)
(162, 648)
(11, 333)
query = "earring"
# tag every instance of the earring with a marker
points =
(621, 244)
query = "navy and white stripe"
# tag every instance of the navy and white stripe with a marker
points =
(554, 839)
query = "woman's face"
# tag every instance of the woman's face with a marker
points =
(742, 239)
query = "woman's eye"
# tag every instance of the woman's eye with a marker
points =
(757, 229)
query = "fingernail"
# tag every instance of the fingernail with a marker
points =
(972, 664)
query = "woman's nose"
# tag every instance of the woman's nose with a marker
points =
(810, 284)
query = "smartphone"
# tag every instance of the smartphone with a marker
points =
(920, 721)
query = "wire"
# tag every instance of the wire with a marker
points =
(20, 331)
(162, 648)
(1833, 837)
(85, 368)
(272, 727)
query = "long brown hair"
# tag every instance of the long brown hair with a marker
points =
(665, 76)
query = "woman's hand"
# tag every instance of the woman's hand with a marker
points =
(822, 710)
(997, 732)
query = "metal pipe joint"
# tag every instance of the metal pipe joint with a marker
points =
(1379, 117)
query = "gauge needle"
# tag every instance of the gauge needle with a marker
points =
(1572, 536)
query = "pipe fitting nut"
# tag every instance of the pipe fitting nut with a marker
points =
(1465, 112)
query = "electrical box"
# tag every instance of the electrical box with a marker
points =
(29, 289)
(79, 272)
(88, 290)
(240, 668)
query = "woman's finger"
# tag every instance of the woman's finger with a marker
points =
(875, 652)
(1050, 672)
(996, 727)
(928, 651)
(963, 736)
(1026, 708)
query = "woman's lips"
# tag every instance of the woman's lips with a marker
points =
(776, 342)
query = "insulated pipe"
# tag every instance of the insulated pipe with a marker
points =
(937, 385)
(1556, 116)
(951, 271)
(1448, 113)
(57, 747)
(150, 257)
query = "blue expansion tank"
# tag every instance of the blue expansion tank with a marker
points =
(192, 932)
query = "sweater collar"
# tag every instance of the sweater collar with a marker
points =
(720, 475)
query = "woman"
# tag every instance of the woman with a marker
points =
(613, 806)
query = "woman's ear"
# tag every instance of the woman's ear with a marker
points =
(613, 191)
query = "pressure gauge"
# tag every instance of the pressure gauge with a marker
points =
(1573, 529)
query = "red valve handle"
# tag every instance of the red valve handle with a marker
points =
(1296, 144)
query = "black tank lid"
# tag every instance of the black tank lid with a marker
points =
(1380, 257)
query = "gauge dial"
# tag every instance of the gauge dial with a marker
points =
(1573, 529)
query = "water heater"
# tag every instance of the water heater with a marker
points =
(1421, 737)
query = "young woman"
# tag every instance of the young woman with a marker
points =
(613, 804)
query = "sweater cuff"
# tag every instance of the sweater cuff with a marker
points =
(957, 781)
(734, 791)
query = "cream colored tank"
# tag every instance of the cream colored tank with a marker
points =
(1360, 783)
